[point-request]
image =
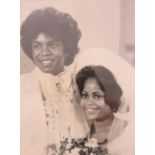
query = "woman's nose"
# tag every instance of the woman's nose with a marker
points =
(90, 101)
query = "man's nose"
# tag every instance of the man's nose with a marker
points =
(45, 50)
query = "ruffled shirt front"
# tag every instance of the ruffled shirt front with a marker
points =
(48, 114)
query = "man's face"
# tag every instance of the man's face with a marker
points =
(48, 54)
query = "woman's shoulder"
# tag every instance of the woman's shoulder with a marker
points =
(123, 143)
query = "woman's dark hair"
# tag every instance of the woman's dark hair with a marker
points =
(55, 24)
(106, 81)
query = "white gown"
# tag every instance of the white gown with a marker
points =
(124, 74)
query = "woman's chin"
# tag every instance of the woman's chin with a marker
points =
(91, 117)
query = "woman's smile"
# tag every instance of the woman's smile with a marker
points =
(92, 101)
(91, 108)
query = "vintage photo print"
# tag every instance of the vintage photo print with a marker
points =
(77, 77)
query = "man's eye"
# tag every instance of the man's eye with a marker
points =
(53, 45)
(36, 46)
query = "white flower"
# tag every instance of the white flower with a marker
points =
(92, 143)
(75, 151)
(68, 146)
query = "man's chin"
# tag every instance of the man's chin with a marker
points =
(46, 70)
(51, 70)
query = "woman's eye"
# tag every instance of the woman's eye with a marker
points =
(83, 95)
(97, 97)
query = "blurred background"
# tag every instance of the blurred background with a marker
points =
(108, 24)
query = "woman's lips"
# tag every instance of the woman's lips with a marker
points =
(91, 109)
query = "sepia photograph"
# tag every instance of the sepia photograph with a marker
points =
(77, 89)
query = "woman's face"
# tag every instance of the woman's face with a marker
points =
(48, 54)
(92, 101)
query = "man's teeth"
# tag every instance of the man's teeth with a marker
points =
(46, 61)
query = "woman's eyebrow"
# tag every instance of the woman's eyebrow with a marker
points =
(98, 93)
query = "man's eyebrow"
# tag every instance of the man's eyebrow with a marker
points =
(35, 41)
(52, 41)
(38, 41)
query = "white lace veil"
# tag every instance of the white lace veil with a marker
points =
(124, 75)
